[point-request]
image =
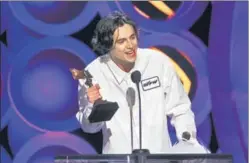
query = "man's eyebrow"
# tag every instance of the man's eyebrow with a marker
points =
(132, 34)
(119, 39)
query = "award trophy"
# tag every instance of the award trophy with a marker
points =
(102, 110)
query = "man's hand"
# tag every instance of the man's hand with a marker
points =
(93, 93)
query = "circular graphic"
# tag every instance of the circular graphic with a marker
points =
(16, 129)
(47, 87)
(40, 4)
(56, 12)
(5, 103)
(15, 88)
(239, 69)
(84, 17)
(228, 69)
(196, 52)
(157, 10)
(1, 86)
(5, 157)
(184, 18)
(46, 147)
(204, 132)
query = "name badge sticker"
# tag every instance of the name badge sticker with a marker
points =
(150, 83)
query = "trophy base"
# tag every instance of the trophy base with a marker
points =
(103, 111)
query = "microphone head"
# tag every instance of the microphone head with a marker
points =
(130, 97)
(136, 77)
(186, 135)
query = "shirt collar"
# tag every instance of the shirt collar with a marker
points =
(118, 74)
(140, 65)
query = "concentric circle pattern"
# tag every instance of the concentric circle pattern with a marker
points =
(5, 102)
(181, 19)
(40, 82)
(47, 23)
(53, 143)
(39, 98)
(5, 157)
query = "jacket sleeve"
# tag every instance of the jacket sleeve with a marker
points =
(85, 108)
(178, 104)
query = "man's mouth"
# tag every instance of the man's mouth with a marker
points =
(131, 53)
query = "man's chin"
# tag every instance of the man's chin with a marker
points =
(131, 59)
(126, 62)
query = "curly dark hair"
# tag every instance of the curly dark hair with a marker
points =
(102, 40)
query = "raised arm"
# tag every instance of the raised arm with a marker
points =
(85, 108)
(86, 103)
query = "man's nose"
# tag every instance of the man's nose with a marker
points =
(129, 44)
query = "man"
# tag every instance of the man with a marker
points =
(116, 37)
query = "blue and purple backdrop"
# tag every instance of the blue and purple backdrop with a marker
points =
(40, 41)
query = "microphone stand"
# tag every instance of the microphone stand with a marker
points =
(130, 97)
(140, 150)
(131, 125)
(140, 153)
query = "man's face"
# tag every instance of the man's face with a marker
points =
(125, 42)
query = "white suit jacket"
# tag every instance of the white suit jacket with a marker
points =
(162, 95)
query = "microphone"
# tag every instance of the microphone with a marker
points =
(130, 98)
(136, 78)
(186, 136)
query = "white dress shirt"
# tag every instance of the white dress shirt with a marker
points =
(162, 95)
